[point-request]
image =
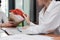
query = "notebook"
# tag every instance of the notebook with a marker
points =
(2, 33)
(12, 31)
(26, 37)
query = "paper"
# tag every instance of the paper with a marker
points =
(2, 33)
(26, 37)
(19, 36)
(11, 30)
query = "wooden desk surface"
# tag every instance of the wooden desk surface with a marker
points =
(56, 37)
(52, 35)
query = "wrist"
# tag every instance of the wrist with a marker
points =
(0, 24)
(3, 25)
(28, 22)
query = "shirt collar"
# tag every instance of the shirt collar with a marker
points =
(51, 6)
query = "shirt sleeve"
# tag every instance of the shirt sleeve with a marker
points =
(50, 23)
(32, 23)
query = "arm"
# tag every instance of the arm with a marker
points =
(28, 19)
(56, 38)
(16, 19)
(6, 22)
(0, 25)
(4, 25)
(50, 23)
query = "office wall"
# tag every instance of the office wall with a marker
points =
(32, 10)
(11, 4)
(26, 8)
(19, 4)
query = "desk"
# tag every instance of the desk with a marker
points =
(52, 35)
(56, 37)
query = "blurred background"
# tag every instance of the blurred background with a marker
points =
(30, 7)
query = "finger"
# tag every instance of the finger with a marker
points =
(24, 15)
(11, 22)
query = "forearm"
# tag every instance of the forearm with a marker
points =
(2, 25)
(28, 22)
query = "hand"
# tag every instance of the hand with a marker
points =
(25, 27)
(27, 18)
(50, 31)
(8, 24)
(56, 38)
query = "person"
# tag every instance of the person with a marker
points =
(49, 18)
(4, 22)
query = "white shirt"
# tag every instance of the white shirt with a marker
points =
(49, 21)
(3, 17)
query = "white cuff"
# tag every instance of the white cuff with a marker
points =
(32, 23)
